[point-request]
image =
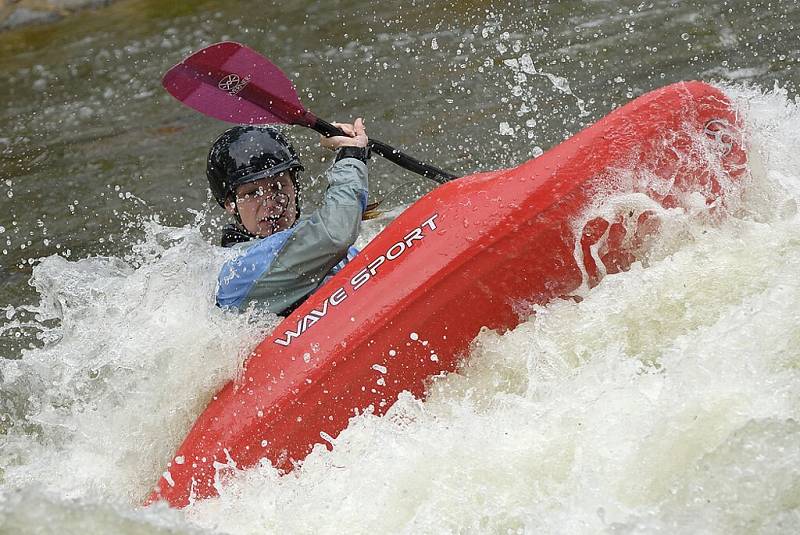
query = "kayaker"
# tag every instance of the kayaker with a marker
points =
(283, 256)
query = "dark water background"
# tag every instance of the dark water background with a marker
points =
(90, 144)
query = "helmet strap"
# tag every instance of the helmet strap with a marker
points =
(240, 225)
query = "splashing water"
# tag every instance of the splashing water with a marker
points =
(666, 400)
(134, 358)
(523, 66)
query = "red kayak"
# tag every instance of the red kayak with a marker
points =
(474, 253)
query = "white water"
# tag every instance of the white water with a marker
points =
(668, 400)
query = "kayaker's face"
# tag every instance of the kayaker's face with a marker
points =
(266, 206)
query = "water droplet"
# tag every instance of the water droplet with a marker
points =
(506, 130)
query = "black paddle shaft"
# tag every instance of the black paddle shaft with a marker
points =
(390, 153)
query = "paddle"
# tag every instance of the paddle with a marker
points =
(234, 83)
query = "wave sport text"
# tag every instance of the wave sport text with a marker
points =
(358, 281)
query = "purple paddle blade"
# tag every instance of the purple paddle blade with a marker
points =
(231, 82)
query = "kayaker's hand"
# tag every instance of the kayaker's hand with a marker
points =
(356, 131)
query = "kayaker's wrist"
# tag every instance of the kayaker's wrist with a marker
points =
(349, 151)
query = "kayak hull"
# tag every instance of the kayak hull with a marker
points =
(474, 253)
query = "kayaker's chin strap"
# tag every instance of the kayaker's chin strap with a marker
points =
(234, 233)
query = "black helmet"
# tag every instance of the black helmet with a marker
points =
(245, 154)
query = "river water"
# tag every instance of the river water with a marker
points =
(668, 400)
